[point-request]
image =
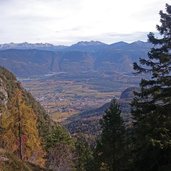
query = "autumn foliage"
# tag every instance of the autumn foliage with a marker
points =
(20, 134)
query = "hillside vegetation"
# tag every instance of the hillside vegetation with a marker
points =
(27, 135)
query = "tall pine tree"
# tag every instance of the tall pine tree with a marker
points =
(109, 153)
(151, 107)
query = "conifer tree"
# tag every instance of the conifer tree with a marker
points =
(83, 153)
(109, 153)
(60, 148)
(20, 134)
(151, 107)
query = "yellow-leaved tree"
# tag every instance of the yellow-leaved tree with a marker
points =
(20, 134)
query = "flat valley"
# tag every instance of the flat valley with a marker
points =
(66, 94)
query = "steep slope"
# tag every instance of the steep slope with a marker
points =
(30, 139)
(24, 125)
(29, 62)
(8, 86)
(125, 103)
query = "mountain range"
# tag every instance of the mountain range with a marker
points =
(27, 60)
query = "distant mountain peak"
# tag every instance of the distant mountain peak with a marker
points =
(89, 43)
(26, 45)
(120, 42)
(140, 43)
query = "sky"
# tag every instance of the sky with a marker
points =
(65, 22)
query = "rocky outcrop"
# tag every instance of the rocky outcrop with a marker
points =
(3, 93)
(3, 96)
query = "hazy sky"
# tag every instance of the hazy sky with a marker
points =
(70, 21)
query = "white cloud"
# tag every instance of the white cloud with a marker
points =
(67, 21)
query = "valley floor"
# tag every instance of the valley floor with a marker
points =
(66, 94)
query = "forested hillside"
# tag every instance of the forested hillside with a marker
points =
(29, 139)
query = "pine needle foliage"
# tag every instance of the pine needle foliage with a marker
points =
(151, 107)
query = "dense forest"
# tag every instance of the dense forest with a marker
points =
(31, 141)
